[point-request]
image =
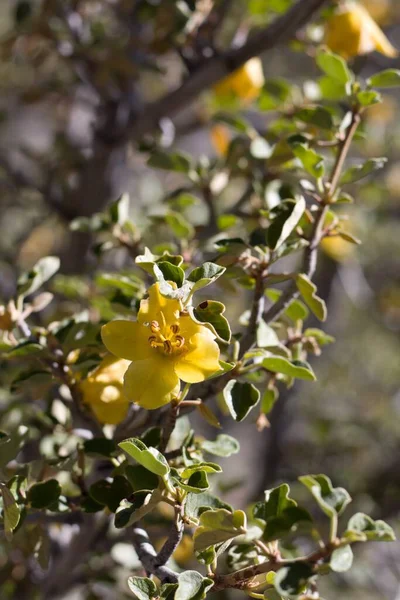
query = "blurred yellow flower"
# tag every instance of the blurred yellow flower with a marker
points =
(164, 345)
(103, 390)
(245, 83)
(351, 31)
(379, 10)
(220, 138)
(337, 248)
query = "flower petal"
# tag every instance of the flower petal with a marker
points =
(151, 383)
(188, 327)
(110, 370)
(151, 309)
(127, 339)
(111, 413)
(201, 361)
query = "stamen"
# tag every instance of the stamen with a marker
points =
(164, 322)
(179, 341)
(174, 328)
(153, 341)
(167, 346)
(154, 326)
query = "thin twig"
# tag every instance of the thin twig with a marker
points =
(219, 66)
(169, 426)
(172, 542)
(239, 578)
(311, 252)
(148, 557)
(256, 314)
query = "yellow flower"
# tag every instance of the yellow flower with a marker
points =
(245, 83)
(164, 345)
(379, 10)
(351, 31)
(337, 248)
(220, 138)
(103, 390)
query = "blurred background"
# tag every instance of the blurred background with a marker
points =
(70, 73)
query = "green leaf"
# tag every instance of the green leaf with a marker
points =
(268, 400)
(168, 289)
(196, 504)
(312, 162)
(141, 478)
(192, 586)
(331, 89)
(364, 528)
(129, 285)
(284, 217)
(25, 349)
(146, 261)
(143, 588)
(207, 467)
(208, 415)
(279, 512)
(42, 495)
(226, 221)
(296, 311)
(42, 271)
(168, 591)
(31, 377)
(173, 161)
(224, 445)
(128, 513)
(11, 512)
(211, 311)
(119, 210)
(359, 171)
(233, 120)
(204, 275)
(217, 526)
(150, 457)
(170, 272)
(385, 79)
(181, 228)
(331, 500)
(318, 116)
(369, 98)
(11, 444)
(296, 369)
(320, 336)
(341, 559)
(100, 447)
(334, 66)
(266, 336)
(240, 398)
(290, 581)
(196, 483)
(308, 290)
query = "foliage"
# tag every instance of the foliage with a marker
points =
(104, 393)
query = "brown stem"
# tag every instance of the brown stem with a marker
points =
(311, 252)
(219, 66)
(148, 557)
(168, 428)
(256, 314)
(238, 579)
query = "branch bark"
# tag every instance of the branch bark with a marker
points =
(149, 558)
(311, 252)
(219, 66)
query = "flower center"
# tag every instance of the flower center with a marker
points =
(166, 338)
